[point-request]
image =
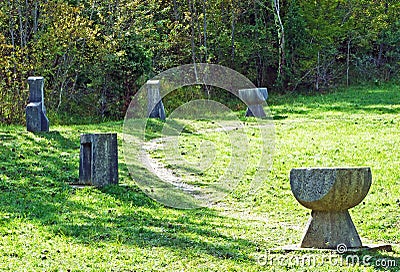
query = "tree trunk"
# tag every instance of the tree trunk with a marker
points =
(176, 14)
(21, 28)
(348, 62)
(192, 38)
(281, 38)
(233, 37)
(318, 74)
(35, 18)
(205, 31)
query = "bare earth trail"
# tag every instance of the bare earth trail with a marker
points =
(158, 168)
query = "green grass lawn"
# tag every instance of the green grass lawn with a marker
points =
(46, 225)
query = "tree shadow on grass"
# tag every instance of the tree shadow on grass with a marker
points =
(59, 141)
(33, 176)
(35, 172)
(152, 225)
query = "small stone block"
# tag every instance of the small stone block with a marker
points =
(98, 159)
(34, 117)
(36, 86)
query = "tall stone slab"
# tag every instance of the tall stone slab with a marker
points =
(155, 106)
(36, 119)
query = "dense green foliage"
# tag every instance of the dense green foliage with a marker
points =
(46, 225)
(96, 54)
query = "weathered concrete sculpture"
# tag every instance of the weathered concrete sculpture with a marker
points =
(98, 159)
(254, 98)
(36, 119)
(329, 193)
(155, 106)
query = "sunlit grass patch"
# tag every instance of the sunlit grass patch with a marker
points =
(47, 225)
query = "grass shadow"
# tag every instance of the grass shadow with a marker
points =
(35, 172)
(156, 226)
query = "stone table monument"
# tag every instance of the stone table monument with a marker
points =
(98, 159)
(155, 106)
(254, 98)
(36, 119)
(329, 193)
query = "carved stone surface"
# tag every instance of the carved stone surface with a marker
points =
(36, 119)
(98, 159)
(254, 98)
(329, 193)
(155, 106)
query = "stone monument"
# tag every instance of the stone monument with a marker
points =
(254, 99)
(329, 193)
(155, 106)
(36, 119)
(98, 159)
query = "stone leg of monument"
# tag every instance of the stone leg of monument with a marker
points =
(255, 111)
(36, 119)
(254, 98)
(155, 106)
(329, 229)
(329, 193)
(98, 159)
(44, 120)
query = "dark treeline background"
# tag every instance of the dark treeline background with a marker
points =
(95, 54)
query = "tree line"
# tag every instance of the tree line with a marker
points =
(95, 54)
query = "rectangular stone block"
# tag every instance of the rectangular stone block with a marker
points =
(98, 159)
(36, 119)
(155, 106)
(36, 86)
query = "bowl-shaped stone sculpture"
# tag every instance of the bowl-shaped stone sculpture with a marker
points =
(329, 193)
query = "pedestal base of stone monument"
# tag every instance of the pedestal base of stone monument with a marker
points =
(365, 247)
(36, 120)
(255, 111)
(328, 229)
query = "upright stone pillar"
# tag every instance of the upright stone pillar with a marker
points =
(36, 119)
(254, 99)
(98, 159)
(155, 106)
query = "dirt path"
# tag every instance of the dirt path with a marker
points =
(158, 168)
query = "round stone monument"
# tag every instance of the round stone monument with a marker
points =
(329, 193)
